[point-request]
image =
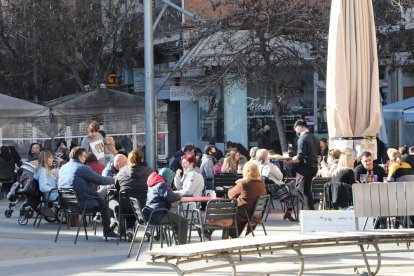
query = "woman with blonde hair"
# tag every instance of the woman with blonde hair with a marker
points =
(345, 171)
(46, 176)
(399, 171)
(246, 191)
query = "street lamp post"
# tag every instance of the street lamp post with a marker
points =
(150, 103)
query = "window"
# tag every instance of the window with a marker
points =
(211, 123)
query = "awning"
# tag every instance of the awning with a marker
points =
(409, 114)
(11, 107)
(399, 110)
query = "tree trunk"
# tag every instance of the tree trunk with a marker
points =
(272, 88)
(279, 123)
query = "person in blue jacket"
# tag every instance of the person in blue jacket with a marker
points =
(79, 177)
(161, 195)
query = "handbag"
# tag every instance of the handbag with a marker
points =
(282, 193)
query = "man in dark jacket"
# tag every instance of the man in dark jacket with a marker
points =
(161, 195)
(307, 157)
(79, 177)
(176, 164)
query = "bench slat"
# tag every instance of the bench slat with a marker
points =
(384, 199)
(392, 195)
(409, 191)
(401, 204)
(376, 205)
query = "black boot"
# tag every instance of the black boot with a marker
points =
(288, 215)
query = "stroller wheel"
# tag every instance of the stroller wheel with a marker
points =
(50, 218)
(8, 213)
(23, 219)
(29, 213)
(60, 215)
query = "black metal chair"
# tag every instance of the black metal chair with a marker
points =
(318, 184)
(123, 199)
(220, 214)
(70, 205)
(260, 209)
(46, 209)
(223, 182)
(163, 229)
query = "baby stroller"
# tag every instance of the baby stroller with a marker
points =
(25, 196)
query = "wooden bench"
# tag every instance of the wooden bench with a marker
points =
(392, 199)
(255, 250)
(375, 199)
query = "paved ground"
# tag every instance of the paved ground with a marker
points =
(26, 250)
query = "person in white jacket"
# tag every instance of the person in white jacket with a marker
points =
(266, 168)
(192, 182)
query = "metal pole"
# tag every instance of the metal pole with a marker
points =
(315, 102)
(150, 135)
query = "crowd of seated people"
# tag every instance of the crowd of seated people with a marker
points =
(97, 170)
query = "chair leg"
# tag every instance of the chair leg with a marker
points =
(82, 220)
(249, 223)
(38, 223)
(60, 225)
(264, 229)
(142, 241)
(37, 215)
(85, 225)
(133, 240)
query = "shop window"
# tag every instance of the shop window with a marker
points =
(211, 123)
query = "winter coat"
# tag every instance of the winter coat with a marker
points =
(133, 181)
(207, 170)
(176, 163)
(6, 169)
(246, 193)
(160, 195)
(79, 177)
(272, 172)
(191, 184)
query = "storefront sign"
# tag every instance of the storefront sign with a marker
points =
(139, 80)
(181, 93)
(291, 116)
(256, 105)
(112, 81)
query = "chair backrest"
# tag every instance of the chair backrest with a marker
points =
(318, 184)
(69, 201)
(260, 206)
(383, 199)
(221, 209)
(136, 207)
(224, 179)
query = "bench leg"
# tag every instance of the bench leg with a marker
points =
(302, 261)
(378, 258)
(361, 246)
(231, 262)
